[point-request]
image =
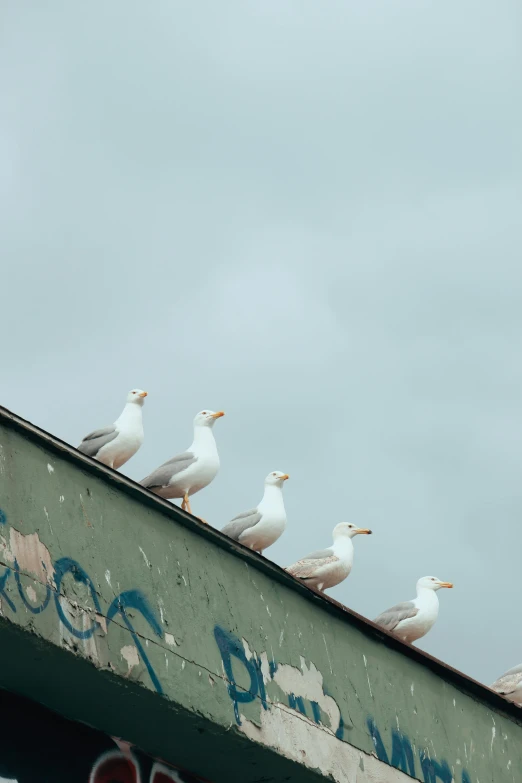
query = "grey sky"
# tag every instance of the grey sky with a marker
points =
(307, 214)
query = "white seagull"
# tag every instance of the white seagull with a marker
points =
(328, 567)
(191, 471)
(115, 445)
(260, 527)
(411, 620)
(510, 685)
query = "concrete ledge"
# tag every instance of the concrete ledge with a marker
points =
(124, 612)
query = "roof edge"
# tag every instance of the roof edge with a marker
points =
(175, 513)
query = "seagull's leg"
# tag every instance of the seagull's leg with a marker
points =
(185, 502)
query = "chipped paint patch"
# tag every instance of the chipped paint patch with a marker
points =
(147, 562)
(170, 640)
(248, 652)
(62, 498)
(130, 654)
(31, 555)
(50, 468)
(31, 592)
(367, 675)
(160, 606)
(296, 737)
(102, 622)
(108, 578)
(307, 684)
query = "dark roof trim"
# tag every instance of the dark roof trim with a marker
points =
(125, 484)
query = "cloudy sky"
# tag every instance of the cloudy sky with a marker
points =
(307, 214)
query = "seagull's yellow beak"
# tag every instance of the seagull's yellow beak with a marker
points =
(365, 531)
(218, 415)
(285, 477)
(446, 584)
(143, 394)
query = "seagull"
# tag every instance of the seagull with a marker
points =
(328, 567)
(510, 685)
(413, 619)
(260, 527)
(191, 471)
(115, 445)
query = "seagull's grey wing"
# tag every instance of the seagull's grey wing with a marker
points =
(509, 681)
(94, 441)
(242, 522)
(390, 619)
(306, 567)
(163, 475)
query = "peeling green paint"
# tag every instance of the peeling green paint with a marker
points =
(208, 636)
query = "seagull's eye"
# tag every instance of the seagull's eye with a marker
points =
(204, 413)
(432, 578)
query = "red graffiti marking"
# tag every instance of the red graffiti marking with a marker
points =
(115, 767)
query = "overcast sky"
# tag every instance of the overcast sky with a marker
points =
(305, 213)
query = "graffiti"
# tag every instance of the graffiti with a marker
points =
(58, 571)
(63, 751)
(305, 693)
(134, 599)
(115, 766)
(402, 758)
(302, 689)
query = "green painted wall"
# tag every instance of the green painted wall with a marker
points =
(121, 611)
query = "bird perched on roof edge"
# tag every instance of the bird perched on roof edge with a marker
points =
(510, 685)
(260, 527)
(411, 620)
(115, 445)
(194, 469)
(329, 567)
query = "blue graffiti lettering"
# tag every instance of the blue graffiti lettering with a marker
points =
(127, 600)
(3, 580)
(66, 565)
(296, 703)
(433, 770)
(316, 711)
(403, 758)
(230, 647)
(134, 599)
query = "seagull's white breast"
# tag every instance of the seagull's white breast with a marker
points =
(272, 523)
(128, 440)
(415, 627)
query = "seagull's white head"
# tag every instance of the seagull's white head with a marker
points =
(349, 530)
(276, 478)
(207, 418)
(137, 396)
(431, 583)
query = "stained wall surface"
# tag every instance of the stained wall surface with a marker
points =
(122, 612)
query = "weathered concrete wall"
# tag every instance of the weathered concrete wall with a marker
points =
(120, 611)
